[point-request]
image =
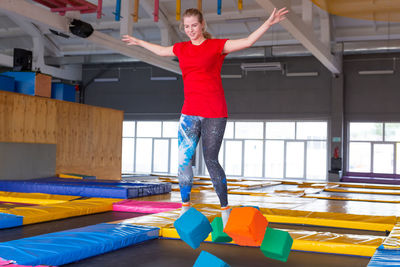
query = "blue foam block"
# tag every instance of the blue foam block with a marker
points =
(10, 220)
(385, 257)
(24, 81)
(193, 227)
(206, 259)
(76, 244)
(62, 91)
(7, 83)
(85, 188)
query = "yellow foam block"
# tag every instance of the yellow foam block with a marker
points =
(34, 198)
(330, 219)
(325, 242)
(51, 212)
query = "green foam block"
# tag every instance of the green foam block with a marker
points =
(276, 244)
(218, 234)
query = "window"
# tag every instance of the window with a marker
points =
(373, 147)
(150, 146)
(286, 149)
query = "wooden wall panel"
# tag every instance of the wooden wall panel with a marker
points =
(88, 138)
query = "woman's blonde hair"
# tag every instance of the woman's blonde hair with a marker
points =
(194, 12)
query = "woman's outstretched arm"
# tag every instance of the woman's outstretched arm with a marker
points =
(239, 44)
(164, 51)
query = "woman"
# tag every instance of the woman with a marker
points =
(204, 112)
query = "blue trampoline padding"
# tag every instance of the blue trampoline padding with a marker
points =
(10, 220)
(85, 188)
(76, 244)
(385, 257)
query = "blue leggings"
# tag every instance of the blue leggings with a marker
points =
(211, 131)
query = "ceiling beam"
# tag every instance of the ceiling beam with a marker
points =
(57, 22)
(305, 35)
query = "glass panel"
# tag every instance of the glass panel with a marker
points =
(253, 158)
(392, 132)
(398, 158)
(220, 158)
(360, 157)
(366, 131)
(274, 159)
(295, 159)
(249, 130)
(149, 128)
(233, 156)
(229, 130)
(383, 158)
(280, 130)
(170, 129)
(128, 129)
(160, 156)
(128, 150)
(312, 130)
(174, 156)
(316, 160)
(143, 155)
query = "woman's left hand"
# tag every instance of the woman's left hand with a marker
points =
(277, 16)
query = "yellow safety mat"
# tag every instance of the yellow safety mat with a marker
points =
(364, 190)
(371, 186)
(35, 214)
(351, 197)
(324, 242)
(34, 198)
(348, 244)
(71, 176)
(330, 219)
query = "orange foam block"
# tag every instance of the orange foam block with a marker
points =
(246, 226)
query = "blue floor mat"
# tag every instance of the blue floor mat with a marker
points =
(76, 244)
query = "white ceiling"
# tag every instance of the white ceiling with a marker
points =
(327, 34)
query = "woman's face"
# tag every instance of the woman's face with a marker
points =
(193, 28)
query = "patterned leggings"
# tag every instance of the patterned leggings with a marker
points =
(211, 131)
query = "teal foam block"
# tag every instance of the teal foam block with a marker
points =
(276, 244)
(193, 227)
(206, 259)
(218, 234)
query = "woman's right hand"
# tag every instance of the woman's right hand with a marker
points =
(130, 40)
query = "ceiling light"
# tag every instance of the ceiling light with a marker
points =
(375, 72)
(302, 74)
(166, 78)
(106, 80)
(262, 66)
(231, 76)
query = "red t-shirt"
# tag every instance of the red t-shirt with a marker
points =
(201, 72)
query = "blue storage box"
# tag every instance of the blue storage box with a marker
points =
(7, 83)
(62, 91)
(31, 83)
